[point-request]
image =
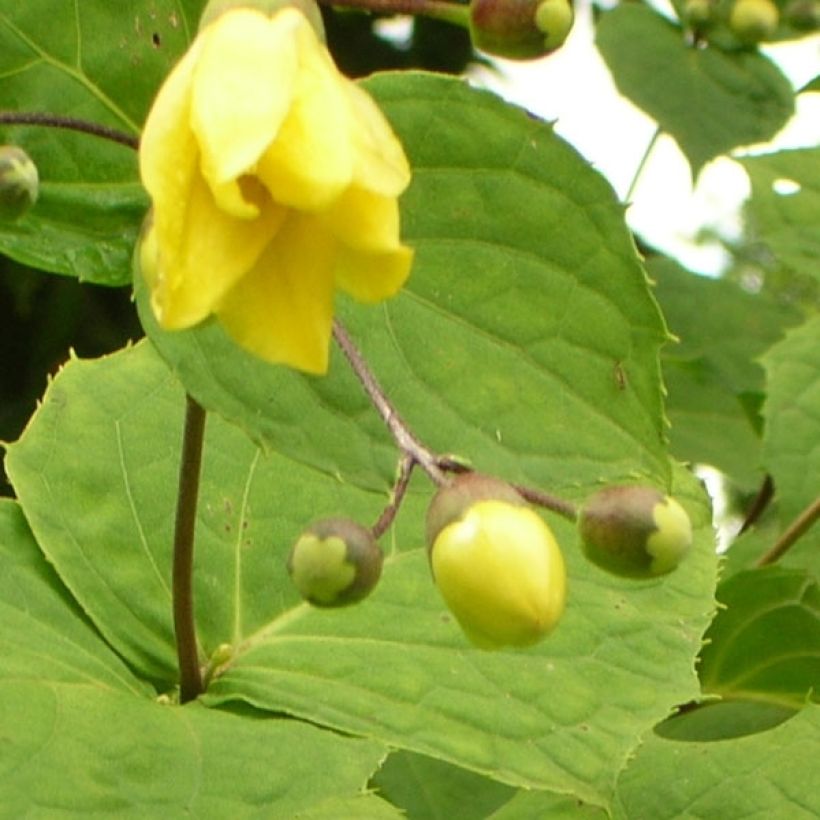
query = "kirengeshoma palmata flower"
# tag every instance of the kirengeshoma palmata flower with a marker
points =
(495, 562)
(274, 181)
(634, 531)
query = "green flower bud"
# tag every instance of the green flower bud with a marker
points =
(698, 13)
(19, 183)
(754, 20)
(497, 565)
(519, 29)
(637, 532)
(268, 7)
(335, 562)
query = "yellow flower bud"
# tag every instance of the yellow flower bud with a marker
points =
(19, 183)
(633, 531)
(335, 562)
(501, 573)
(554, 19)
(274, 181)
(754, 20)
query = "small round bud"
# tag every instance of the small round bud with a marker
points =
(754, 20)
(498, 567)
(19, 183)
(637, 532)
(698, 13)
(268, 7)
(335, 562)
(519, 29)
(803, 14)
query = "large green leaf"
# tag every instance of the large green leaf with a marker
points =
(81, 751)
(765, 643)
(784, 205)
(712, 371)
(103, 63)
(95, 473)
(769, 774)
(82, 735)
(709, 100)
(792, 431)
(526, 338)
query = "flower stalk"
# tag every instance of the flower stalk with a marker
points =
(190, 677)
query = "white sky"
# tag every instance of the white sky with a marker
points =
(574, 88)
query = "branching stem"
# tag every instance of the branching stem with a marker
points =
(190, 677)
(799, 527)
(758, 506)
(70, 123)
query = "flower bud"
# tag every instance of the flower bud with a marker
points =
(519, 29)
(19, 182)
(335, 562)
(698, 13)
(803, 14)
(268, 7)
(754, 20)
(496, 564)
(637, 532)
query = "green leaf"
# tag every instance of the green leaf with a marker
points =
(784, 205)
(712, 369)
(429, 789)
(792, 429)
(724, 720)
(765, 644)
(95, 61)
(396, 667)
(43, 634)
(537, 805)
(709, 100)
(79, 750)
(526, 338)
(362, 807)
(771, 774)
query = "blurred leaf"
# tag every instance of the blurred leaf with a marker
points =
(429, 789)
(526, 337)
(765, 644)
(784, 205)
(790, 441)
(396, 667)
(812, 85)
(770, 774)
(709, 100)
(79, 750)
(101, 62)
(713, 368)
(724, 719)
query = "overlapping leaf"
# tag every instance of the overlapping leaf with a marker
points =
(526, 338)
(82, 735)
(395, 668)
(709, 100)
(770, 774)
(784, 205)
(711, 371)
(103, 63)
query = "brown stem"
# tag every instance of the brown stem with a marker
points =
(190, 678)
(403, 436)
(550, 502)
(406, 466)
(70, 123)
(758, 506)
(798, 527)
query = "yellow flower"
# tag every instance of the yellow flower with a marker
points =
(274, 181)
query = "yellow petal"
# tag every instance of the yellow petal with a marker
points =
(364, 221)
(242, 89)
(203, 252)
(168, 154)
(380, 165)
(282, 309)
(371, 277)
(311, 162)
